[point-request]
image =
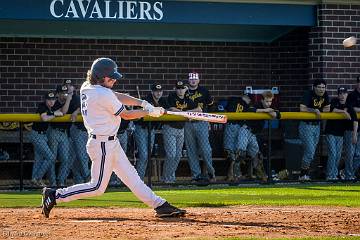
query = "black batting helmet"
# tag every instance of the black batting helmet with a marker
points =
(105, 67)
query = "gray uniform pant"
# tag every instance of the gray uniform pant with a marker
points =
(335, 145)
(80, 167)
(197, 142)
(173, 145)
(43, 156)
(60, 145)
(141, 139)
(352, 155)
(309, 135)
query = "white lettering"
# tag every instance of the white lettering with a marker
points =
(82, 8)
(130, 10)
(107, 10)
(145, 8)
(121, 9)
(96, 10)
(72, 10)
(158, 10)
(52, 8)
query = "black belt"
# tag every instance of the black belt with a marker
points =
(110, 138)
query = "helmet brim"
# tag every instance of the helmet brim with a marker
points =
(115, 75)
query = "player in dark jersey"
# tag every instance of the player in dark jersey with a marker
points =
(173, 132)
(197, 132)
(335, 131)
(43, 156)
(59, 136)
(353, 150)
(232, 137)
(141, 129)
(315, 101)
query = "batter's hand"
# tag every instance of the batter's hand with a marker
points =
(147, 106)
(156, 112)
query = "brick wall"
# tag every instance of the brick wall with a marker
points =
(289, 67)
(328, 58)
(31, 66)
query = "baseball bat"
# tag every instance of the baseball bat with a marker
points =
(208, 117)
(138, 91)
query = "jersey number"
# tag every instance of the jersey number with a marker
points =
(84, 104)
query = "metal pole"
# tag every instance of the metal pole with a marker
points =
(21, 157)
(149, 164)
(269, 180)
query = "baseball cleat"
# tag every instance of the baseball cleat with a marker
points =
(167, 210)
(48, 201)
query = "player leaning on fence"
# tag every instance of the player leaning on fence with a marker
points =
(102, 110)
(232, 136)
(43, 155)
(353, 150)
(335, 130)
(315, 101)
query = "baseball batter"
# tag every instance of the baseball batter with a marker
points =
(102, 110)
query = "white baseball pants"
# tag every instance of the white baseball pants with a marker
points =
(108, 156)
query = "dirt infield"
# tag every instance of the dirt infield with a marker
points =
(204, 223)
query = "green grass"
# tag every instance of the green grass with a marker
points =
(270, 195)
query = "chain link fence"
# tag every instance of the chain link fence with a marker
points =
(192, 152)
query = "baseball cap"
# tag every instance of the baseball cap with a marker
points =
(180, 85)
(156, 87)
(193, 76)
(342, 90)
(67, 81)
(51, 95)
(105, 67)
(61, 88)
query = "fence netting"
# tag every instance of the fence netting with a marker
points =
(190, 152)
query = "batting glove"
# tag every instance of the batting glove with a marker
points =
(156, 112)
(146, 106)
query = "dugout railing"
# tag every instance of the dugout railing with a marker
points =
(280, 146)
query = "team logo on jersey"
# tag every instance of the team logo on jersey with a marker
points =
(239, 108)
(195, 96)
(318, 103)
(181, 106)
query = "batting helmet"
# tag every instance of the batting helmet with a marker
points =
(105, 67)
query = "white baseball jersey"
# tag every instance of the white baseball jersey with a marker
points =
(103, 116)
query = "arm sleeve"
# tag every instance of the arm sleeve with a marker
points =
(327, 100)
(332, 105)
(306, 99)
(208, 98)
(42, 109)
(112, 103)
(170, 101)
(350, 100)
(352, 113)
